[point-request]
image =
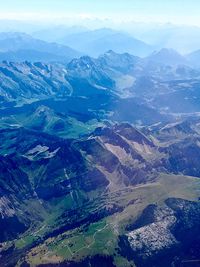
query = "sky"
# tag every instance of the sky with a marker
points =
(163, 11)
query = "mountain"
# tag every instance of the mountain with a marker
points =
(94, 184)
(167, 57)
(194, 58)
(120, 62)
(31, 56)
(46, 119)
(86, 89)
(88, 69)
(119, 78)
(99, 41)
(129, 88)
(28, 80)
(23, 46)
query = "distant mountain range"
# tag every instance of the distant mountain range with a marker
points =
(184, 39)
(21, 47)
(98, 41)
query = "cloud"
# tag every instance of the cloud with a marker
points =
(116, 18)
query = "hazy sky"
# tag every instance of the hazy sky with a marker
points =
(174, 11)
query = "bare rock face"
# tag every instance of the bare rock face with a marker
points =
(154, 237)
(6, 209)
(166, 233)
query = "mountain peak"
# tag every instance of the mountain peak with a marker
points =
(166, 51)
(167, 56)
(82, 62)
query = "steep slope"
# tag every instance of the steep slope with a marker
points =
(31, 80)
(15, 191)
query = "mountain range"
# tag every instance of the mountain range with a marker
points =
(93, 43)
(98, 158)
(19, 47)
(98, 182)
(97, 42)
(15, 46)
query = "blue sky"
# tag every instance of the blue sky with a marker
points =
(175, 11)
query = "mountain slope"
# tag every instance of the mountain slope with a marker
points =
(194, 58)
(101, 182)
(168, 57)
(20, 44)
(31, 56)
